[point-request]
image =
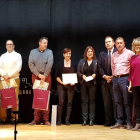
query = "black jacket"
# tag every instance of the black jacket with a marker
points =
(102, 64)
(59, 69)
(80, 71)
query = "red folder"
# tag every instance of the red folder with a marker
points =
(8, 98)
(41, 99)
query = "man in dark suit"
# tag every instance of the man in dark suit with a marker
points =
(104, 69)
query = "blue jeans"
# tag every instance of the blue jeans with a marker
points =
(123, 99)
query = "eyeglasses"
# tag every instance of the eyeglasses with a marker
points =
(137, 46)
(9, 44)
(89, 51)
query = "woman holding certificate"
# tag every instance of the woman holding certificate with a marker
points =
(65, 89)
(86, 71)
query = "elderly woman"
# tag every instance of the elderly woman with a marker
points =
(65, 90)
(87, 69)
(134, 79)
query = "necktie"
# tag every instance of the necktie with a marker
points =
(109, 64)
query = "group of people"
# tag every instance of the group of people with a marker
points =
(117, 67)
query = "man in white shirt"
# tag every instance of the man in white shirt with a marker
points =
(10, 66)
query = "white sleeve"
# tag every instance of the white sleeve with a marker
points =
(18, 66)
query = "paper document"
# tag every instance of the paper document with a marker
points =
(89, 78)
(43, 86)
(69, 78)
(11, 83)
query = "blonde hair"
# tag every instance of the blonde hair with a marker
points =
(136, 42)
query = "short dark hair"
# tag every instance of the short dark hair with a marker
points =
(65, 50)
(9, 40)
(109, 37)
(43, 38)
(85, 52)
(121, 38)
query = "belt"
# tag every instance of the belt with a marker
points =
(118, 76)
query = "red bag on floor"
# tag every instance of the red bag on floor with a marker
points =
(8, 98)
(41, 99)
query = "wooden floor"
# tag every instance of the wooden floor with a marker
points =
(72, 132)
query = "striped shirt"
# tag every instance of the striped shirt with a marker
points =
(40, 62)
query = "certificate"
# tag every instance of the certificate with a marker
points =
(88, 78)
(69, 78)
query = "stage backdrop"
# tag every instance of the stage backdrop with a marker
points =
(67, 23)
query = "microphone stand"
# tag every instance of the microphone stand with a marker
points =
(15, 132)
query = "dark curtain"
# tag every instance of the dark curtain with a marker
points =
(67, 23)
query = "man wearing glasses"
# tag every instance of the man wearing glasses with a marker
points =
(10, 66)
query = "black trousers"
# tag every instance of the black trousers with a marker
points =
(136, 97)
(65, 93)
(109, 103)
(88, 101)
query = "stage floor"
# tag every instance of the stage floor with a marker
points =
(63, 132)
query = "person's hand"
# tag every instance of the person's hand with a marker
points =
(42, 77)
(72, 84)
(41, 82)
(6, 78)
(93, 75)
(107, 78)
(110, 79)
(129, 89)
(84, 77)
(64, 84)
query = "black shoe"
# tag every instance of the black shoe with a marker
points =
(58, 123)
(2, 122)
(84, 123)
(67, 123)
(91, 123)
(107, 124)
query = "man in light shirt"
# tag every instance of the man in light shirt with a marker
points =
(120, 64)
(40, 64)
(104, 69)
(10, 66)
